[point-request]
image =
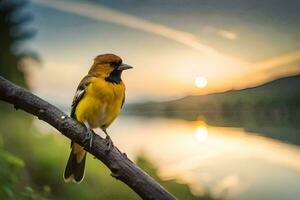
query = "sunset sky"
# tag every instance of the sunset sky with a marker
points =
(232, 43)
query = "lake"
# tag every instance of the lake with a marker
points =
(228, 162)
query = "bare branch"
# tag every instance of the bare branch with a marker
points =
(121, 167)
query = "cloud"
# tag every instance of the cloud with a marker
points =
(227, 34)
(277, 61)
(266, 70)
(102, 13)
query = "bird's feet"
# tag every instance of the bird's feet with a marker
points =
(109, 144)
(88, 139)
(108, 141)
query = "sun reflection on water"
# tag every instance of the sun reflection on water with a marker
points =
(227, 160)
(201, 132)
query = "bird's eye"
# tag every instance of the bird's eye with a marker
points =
(114, 64)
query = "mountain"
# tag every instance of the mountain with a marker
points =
(272, 99)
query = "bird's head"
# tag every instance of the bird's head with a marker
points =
(108, 66)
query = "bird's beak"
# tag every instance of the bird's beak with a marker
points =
(124, 67)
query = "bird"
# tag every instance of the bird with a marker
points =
(98, 100)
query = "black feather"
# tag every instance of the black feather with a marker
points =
(114, 76)
(75, 168)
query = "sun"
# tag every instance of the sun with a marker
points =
(201, 133)
(201, 82)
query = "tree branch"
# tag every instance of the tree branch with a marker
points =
(121, 167)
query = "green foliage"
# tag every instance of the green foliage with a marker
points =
(11, 168)
(13, 34)
(30, 194)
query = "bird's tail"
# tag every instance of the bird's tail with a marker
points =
(75, 166)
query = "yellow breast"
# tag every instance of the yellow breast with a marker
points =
(101, 103)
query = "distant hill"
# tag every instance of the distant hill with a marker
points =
(274, 98)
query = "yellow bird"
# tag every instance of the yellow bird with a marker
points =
(98, 101)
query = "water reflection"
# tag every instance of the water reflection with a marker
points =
(226, 161)
(229, 162)
(201, 132)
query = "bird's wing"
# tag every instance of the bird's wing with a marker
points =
(80, 93)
